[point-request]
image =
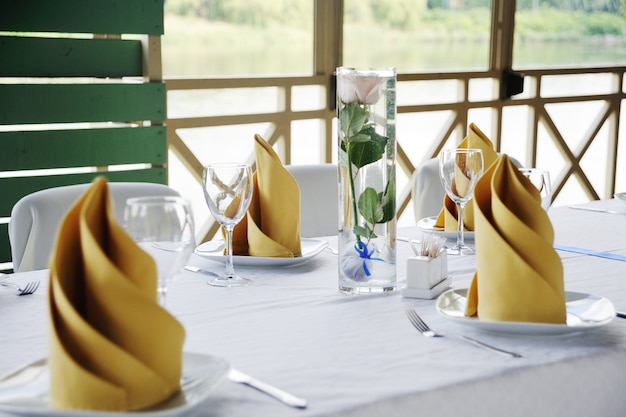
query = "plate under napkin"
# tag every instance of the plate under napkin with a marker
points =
(25, 390)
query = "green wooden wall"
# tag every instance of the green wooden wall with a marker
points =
(74, 96)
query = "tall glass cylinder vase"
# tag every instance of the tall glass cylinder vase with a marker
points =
(366, 109)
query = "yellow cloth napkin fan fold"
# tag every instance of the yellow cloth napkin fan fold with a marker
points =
(447, 218)
(271, 227)
(111, 346)
(519, 276)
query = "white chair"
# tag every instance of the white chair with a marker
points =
(427, 191)
(319, 199)
(36, 217)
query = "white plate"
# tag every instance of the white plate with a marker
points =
(25, 391)
(621, 196)
(427, 224)
(310, 248)
(584, 312)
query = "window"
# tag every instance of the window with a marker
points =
(569, 33)
(417, 35)
(238, 37)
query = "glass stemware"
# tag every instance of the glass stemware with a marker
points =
(459, 169)
(228, 192)
(540, 178)
(163, 227)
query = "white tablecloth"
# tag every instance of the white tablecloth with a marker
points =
(359, 355)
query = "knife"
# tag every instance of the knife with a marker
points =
(283, 396)
(200, 270)
(597, 210)
(620, 314)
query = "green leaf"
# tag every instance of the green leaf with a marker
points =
(359, 231)
(370, 206)
(359, 137)
(364, 231)
(388, 199)
(389, 210)
(366, 152)
(352, 118)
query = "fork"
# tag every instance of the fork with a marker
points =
(29, 288)
(420, 325)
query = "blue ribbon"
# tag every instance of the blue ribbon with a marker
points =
(606, 255)
(361, 249)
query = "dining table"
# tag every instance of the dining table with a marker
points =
(358, 355)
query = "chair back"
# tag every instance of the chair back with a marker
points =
(427, 191)
(35, 219)
(319, 199)
(82, 95)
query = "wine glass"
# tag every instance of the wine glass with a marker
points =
(163, 227)
(540, 178)
(228, 192)
(459, 169)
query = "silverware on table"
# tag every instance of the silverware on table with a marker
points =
(420, 325)
(597, 210)
(279, 394)
(28, 289)
(200, 270)
(620, 314)
(332, 250)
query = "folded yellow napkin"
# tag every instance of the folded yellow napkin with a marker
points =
(111, 346)
(272, 225)
(447, 218)
(519, 276)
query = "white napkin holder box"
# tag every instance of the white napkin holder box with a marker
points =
(427, 277)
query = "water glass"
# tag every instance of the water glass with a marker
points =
(228, 193)
(540, 178)
(163, 227)
(460, 169)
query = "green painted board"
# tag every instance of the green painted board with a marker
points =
(83, 16)
(47, 149)
(64, 57)
(12, 189)
(65, 103)
(5, 246)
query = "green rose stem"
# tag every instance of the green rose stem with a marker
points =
(352, 190)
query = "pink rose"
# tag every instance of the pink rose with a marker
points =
(366, 88)
(346, 88)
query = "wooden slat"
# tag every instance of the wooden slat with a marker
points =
(5, 247)
(12, 189)
(66, 103)
(25, 54)
(83, 16)
(63, 57)
(243, 82)
(47, 149)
